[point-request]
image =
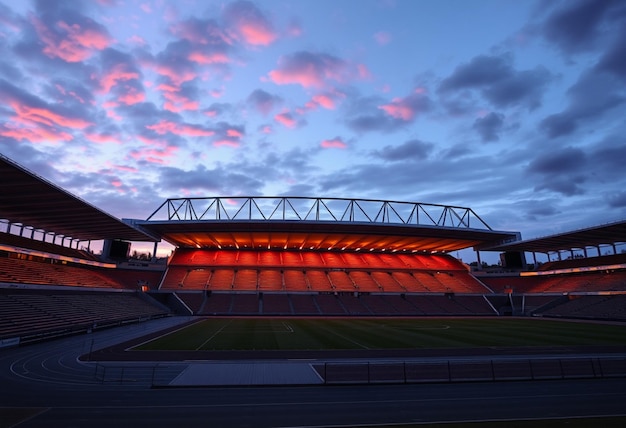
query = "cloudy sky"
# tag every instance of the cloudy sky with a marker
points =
(513, 108)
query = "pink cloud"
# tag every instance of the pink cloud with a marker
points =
(137, 40)
(382, 38)
(159, 156)
(36, 134)
(133, 96)
(175, 102)
(399, 109)
(248, 23)
(266, 129)
(176, 75)
(27, 114)
(164, 127)
(407, 108)
(226, 142)
(117, 183)
(115, 75)
(234, 133)
(124, 168)
(334, 143)
(72, 43)
(314, 70)
(294, 29)
(208, 57)
(328, 100)
(286, 119)
(102, 138)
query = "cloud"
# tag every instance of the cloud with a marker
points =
(499, 82)
(262, 101)
(334, 143)
(592, 97)
(560, 171)
(408, 107)
(72, 37)
(314, 70)
(287, 119)
(221, 180)
(614, 59)
(227, 134)
(409, 150)
(375, 114)
(617, 200)
(35, 120)
(489, 127)
(182, 129)
(247, 22)
(382, 38)
(578, 25)
(153, 152)
(481, 71)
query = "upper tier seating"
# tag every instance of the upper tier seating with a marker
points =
(612, 259)
(45, 247)
(591, 281)
(23, 271)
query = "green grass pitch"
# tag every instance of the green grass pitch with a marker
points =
(376, 333)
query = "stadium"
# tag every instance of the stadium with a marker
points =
(356, 299)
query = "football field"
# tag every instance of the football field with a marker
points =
(382, 333)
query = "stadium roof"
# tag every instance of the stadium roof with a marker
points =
(608, 234)
(315, 223)
(31, 201)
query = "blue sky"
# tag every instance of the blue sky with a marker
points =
(513, 108)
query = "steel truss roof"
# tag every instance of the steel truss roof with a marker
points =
(270, 208)
(319, 223)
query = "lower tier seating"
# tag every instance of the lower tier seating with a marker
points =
(36, 314)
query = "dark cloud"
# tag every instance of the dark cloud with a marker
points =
(591, 98)
(489, 127)
(481, 71)
(497, 81)
(410, 150)
(524, 87)
(263, 102)
(220, 180)
(577, 26)
(558, 162)
(560, 171)
(614, 59)
(617, 200)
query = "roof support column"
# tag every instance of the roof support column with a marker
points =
(535, 259)
(599, 252)
(585, 251)
(154, 251)
(480, 263)
(614, 248)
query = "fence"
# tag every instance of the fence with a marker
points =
(471, 370)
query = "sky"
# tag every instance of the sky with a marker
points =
(513, 108)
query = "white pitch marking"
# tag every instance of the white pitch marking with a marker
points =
(213, 335)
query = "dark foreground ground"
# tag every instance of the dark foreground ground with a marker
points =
(46, 385)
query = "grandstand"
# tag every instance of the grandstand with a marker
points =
(277, 256)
